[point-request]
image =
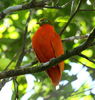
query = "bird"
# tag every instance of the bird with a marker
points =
(47, 44)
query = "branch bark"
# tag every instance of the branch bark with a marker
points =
(29, 5)
(52, 62)
(75, 37)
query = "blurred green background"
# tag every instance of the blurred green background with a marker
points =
(12, 28)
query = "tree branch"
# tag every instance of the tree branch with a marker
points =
(75, 37)
(24, 42)
(29, 5)
(77, 9)
(52, 62)
(30, 64)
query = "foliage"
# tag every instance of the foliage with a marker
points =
(12, 28)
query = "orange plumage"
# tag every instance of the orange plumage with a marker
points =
(47, 44)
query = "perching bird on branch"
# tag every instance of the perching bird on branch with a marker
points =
(47, 44)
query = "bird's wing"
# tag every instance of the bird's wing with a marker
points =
(58, 48)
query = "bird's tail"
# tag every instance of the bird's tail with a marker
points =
(55, 74)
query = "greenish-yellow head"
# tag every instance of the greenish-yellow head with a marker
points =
(44, 21)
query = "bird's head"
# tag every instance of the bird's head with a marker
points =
(44, 21)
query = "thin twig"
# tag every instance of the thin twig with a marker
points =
(16, 96)
(76, 37)
(19, 61)
(70, 93)
(3, 82)
(11, 61)
(24, 42)
(30, 64)
(77, 9)
(76, 92)
(59, 7)
(86, 9)
(89, 67)
(83, 91)
(82, 55)
(62, 87)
